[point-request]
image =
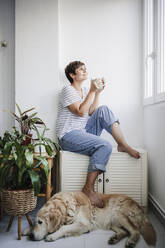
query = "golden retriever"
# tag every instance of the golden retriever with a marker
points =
(71, 213)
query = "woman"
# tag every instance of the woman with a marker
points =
(80, 123)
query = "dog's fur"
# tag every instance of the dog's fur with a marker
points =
(68, 214)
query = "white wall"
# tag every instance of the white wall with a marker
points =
(154, 139)
(106, 35)
(37, 58)
(7, 67)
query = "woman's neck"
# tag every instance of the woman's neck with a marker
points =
(77, 85)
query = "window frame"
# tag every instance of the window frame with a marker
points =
(156, 55)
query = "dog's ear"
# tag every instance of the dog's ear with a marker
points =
(54, 221)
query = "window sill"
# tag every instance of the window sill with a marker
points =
(160, 98)
(148, 101)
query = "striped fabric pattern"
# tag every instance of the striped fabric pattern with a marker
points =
(66, 120)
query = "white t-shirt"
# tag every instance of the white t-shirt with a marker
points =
(66, 120)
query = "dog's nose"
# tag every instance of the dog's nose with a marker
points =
(31, 236)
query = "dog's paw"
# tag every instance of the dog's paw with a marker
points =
(130, 244)
(113, 240)
(50, 238)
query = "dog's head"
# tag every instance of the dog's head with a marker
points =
(48, 220)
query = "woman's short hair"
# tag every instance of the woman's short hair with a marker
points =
(71, 68)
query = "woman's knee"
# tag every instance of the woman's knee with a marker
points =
(107, 147)
(104, 111)
(103, 108)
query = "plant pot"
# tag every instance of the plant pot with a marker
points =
(18, 202)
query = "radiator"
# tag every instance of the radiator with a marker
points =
(124, 175)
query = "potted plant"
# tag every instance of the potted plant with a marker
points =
(21, 175)
(27, 122)
(17, 170)
(17, 165)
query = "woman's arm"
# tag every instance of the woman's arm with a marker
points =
(95, 103)
(81, 109)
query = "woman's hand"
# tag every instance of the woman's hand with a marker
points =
(99, 85)
(93, 87)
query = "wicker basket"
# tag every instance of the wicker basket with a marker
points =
(18, 202)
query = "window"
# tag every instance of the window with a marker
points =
(154, 51)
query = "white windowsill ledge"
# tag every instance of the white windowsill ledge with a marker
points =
(154, 100)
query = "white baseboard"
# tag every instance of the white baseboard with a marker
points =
(157, 209)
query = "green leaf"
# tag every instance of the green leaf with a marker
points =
(58, 147)
(30, 147)
(8, 148)
(38, 144)
(46, 170)
(39, 120)
(19, 110)
(15, 155)
(50, 143)
(42, 159)
(20, 175)
(37, 164)
(28, 110)
(40, 150)
(21, 161)
(4, 171)
(45, 164)
(32, 115)
(49, 140)
(35, 180)
(43, 133)
(49, 150)
(38, 134)
(43, 179)
(29, 158)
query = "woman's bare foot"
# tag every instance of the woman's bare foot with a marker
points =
(129, 150)
(94, 197)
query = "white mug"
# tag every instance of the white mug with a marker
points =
(99, 82)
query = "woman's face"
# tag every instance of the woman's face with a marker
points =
(80, 74)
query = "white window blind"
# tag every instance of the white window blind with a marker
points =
(154, 51)
(161, 47)
(149, 48)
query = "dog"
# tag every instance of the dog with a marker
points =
(71, 214)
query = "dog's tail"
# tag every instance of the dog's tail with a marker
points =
(148, 232)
